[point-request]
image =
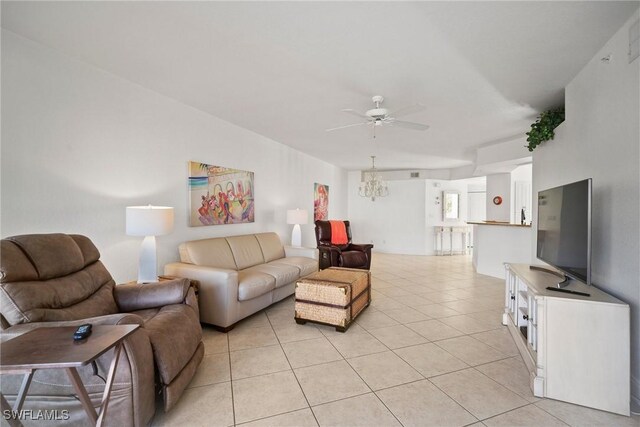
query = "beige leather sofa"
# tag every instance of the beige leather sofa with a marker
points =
(241, 275)
(58, 280)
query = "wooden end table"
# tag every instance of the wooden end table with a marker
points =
(54, 348)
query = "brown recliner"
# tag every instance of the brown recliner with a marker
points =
(58, 280)
(350, 255)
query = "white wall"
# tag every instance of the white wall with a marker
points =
(434, 212)
(403, 222)
(509, 152)
(489, 257)
(499, 184)
(394, 224)
(476, 204)
(80, 144)
(600, 139)
(522, 173)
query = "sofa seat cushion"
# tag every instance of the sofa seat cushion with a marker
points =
(252, 284)
(175, 333)
(304, 264)
(354, 259)
(284, 274)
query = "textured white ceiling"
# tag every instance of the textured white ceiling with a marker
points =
(285, 70)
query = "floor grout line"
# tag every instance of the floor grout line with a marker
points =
(294, 373)
(388, 409)
(507, 411)
(342, 398)
(233, 403)
(547, 412)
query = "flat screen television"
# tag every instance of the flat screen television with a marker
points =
(564, 229)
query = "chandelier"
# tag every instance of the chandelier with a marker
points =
(373, 186)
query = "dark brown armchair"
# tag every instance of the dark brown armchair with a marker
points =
(349, 255)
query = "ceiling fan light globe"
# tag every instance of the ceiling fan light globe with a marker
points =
(377, 113)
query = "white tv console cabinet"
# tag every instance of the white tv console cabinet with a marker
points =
(576, 348)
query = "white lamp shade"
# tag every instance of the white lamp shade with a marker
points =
(297, 216)
(149, 220)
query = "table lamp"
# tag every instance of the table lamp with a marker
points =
(149, 221)
(297, 217)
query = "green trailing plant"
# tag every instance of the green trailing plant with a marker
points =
(543, 129)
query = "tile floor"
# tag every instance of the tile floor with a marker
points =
(429, 351)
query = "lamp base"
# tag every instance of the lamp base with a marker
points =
(148, 265)
(296, 236)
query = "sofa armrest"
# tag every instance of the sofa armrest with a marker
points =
(109, 319)
(363, 247)
(217, 294)
(329, 256)
(290, 251)
(136, 296)
(328, 247)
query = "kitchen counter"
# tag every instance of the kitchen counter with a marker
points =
(495, 243)
(503, 224)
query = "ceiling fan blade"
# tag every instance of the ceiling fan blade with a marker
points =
(347, 126)
(408, 125)
(356, 113)
(408, 110)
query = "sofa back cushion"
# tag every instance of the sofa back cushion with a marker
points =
(271, 246)
(214, 252)
(246, 251)
(234, 252)
(53, 277)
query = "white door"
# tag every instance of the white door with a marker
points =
(522, 200)
(476, 206)
(476, 210)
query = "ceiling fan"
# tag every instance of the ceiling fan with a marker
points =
(382, 117)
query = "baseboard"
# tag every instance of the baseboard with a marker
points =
(635, 395)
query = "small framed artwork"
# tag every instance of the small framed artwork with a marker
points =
(219, 195)
(320, 202)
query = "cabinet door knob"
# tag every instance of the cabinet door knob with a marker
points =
(525, 317)
(513, 297)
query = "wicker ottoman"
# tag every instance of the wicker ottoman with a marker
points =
(334, 296)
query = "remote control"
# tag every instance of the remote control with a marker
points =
(568, 291)
(82, 332)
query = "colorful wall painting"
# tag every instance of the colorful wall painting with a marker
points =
(320, 202)
(219, 195)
